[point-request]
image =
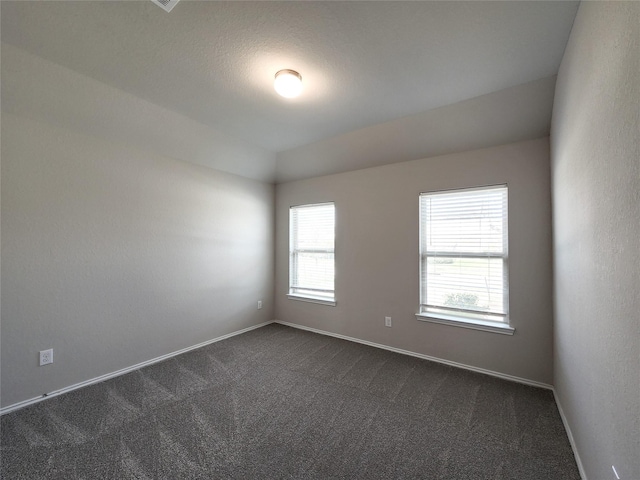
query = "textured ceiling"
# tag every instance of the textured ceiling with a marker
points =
(363, 63)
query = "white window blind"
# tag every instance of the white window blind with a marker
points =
(312, 251)
(464, 253)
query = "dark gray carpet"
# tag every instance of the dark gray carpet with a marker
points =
(284, 403)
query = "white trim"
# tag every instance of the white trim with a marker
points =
(489, 186)
(320, 301)
(474, 324)
(504, 376)
(311, 205)
(122, 371)
(572, 442)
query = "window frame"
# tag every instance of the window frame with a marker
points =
(293, 264)
(460, 317)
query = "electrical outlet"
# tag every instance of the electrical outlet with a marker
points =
(46, 357)
(387, 321)
(259, 304)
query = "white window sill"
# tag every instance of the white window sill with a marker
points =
(320, 301)
(474, 324)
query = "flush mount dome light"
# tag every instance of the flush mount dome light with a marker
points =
(288, 83)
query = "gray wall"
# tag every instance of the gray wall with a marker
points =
(510, 115)
(596, 205)
(377, 256)
(113, 256)
(37, 88)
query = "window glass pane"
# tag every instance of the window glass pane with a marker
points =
(315, 227)
(315, 271)
(465, 283)
(471, 221)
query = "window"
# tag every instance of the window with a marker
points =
(312, 253)
(464, 258)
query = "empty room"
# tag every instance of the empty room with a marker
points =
(320, 240)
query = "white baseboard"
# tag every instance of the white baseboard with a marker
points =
(504, 376)
(572, 442)
(117, 373)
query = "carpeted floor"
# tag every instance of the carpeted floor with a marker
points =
(278, 402)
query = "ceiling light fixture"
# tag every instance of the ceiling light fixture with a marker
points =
(288, 83)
